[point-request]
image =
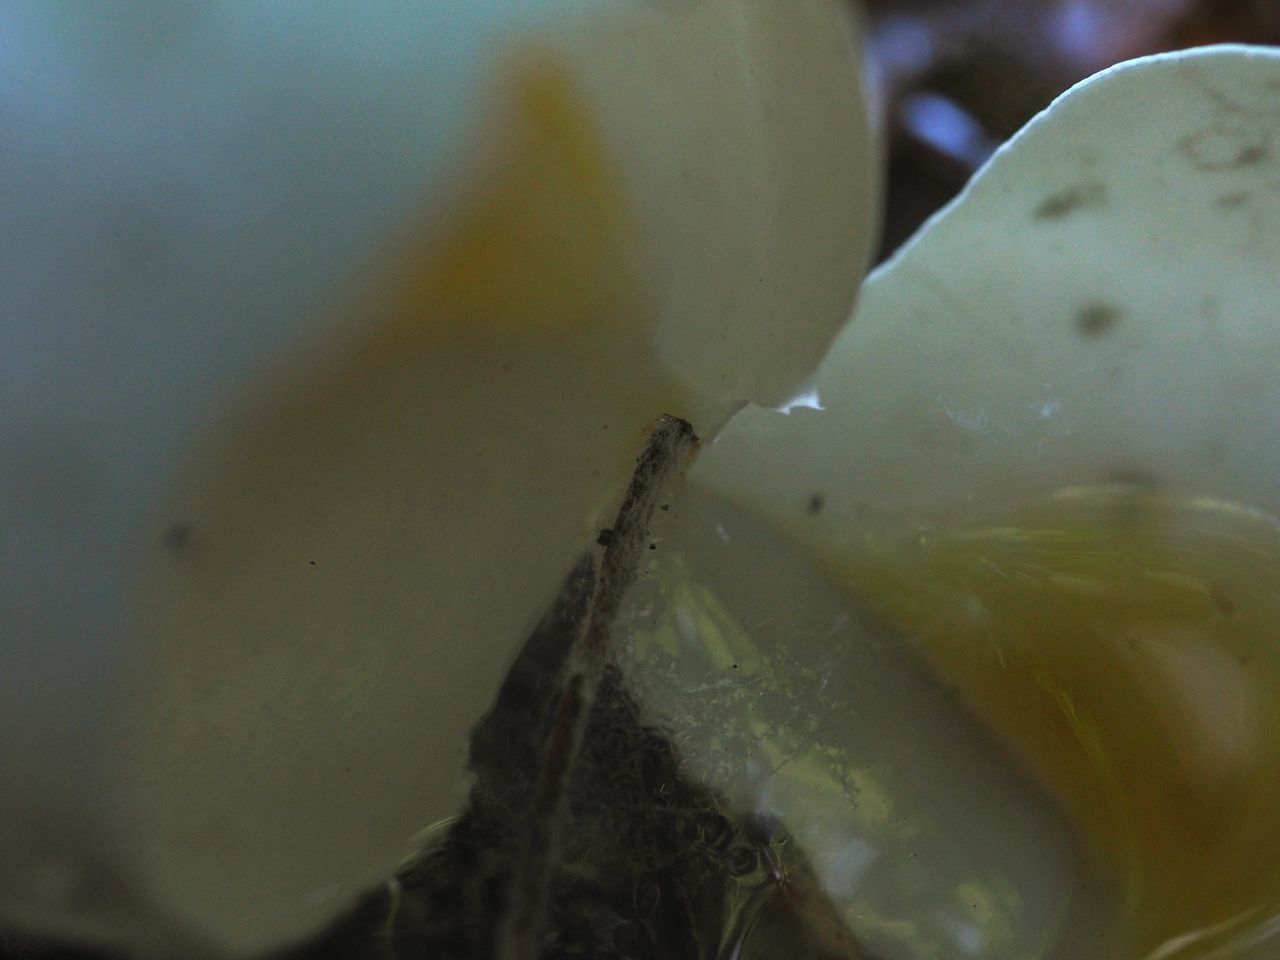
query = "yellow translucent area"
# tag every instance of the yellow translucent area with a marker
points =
(1127, 644)
(540, 244)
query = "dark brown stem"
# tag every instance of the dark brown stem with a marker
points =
(671, 443)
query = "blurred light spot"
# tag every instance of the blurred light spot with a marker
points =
(946, 127)
(1079, 28)
(843, 865)
(967, 937)
(808, 400)
(687, 626)
(969, 419)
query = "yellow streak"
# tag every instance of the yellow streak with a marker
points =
(540, 245)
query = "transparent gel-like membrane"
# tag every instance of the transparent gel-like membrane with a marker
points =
(1051, 730)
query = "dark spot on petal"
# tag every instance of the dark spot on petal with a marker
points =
(1221, 599)
(815, 505)
(312, 562)
(177, 537)
(1237, 199)
(604, 537)
(1223, 148)
(1254, 153)
(1097, 319)
(1071, 199)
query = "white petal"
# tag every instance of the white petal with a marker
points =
(273, 532)
(1099, 303)
(756, 111)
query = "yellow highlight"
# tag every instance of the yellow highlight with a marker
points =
(1127, 644)
(539, 243)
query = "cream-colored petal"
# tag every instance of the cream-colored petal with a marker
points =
(1099, 304)
(754, 110)
(282, 496)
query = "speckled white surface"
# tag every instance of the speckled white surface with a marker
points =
(1099, 304)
